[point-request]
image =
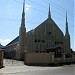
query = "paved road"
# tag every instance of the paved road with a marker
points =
(19, 68)
(63, 70)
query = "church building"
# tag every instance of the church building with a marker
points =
(45, 38)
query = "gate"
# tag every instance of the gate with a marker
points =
(11, 62)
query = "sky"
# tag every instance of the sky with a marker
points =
(36, 11)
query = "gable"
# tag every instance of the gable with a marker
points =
(49, 27)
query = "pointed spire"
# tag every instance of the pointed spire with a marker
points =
(67, 32)
(67, 38)
(22, 34)
(49, 13)
(23, 13)
(66, 18)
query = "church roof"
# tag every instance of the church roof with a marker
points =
(1, 46)
(13, 41)
(16, 40)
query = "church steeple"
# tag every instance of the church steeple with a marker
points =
(67, 32)
(49, 13)
(23, 16)
(23, 13)
(67, 38)
(22, 34)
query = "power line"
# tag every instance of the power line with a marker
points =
(9, 19)
(31, 22)
(19, 21)
(35, 9)
(58, 6)
(44, 12)
(46, 8)
(18, 2)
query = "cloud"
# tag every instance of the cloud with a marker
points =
(4, 42)
(27, 7)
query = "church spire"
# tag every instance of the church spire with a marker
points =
(67, 32)
(23, 16)
(23, 13)
(49, 13)
(22, 34)
(67, 38)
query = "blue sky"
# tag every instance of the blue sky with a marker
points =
(36, 12)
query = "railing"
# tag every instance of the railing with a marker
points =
(68, 59)
(58, 59)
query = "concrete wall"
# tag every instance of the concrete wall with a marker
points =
(38, 58)
(32, 58)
